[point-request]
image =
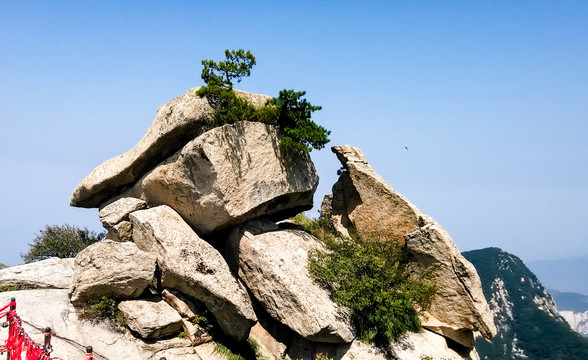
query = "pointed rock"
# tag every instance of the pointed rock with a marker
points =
(362, 200)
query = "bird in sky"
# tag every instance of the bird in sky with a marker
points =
(406, 147)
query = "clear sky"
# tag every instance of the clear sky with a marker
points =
(490, 97)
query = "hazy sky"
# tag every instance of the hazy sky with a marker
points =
(490, 97)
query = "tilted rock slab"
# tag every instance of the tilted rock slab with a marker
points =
(52, 273)
(192, 266)
(231, 174)
(363, 200)
(113, 269)
(151, 318)
(273, 266)
(177, 122)
(458, 307)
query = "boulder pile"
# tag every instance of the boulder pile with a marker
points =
(197, 247)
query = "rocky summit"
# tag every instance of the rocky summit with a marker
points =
(198, 255)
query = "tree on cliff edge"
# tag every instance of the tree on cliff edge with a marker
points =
(289, 111)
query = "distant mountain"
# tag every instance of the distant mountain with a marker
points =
(574, 308)
(529, 326)
(563, 274)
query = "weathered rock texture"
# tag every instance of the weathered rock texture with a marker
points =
(72, 335)
(151, 318)
(364, 201)
(192, 266)
(458, 307)
(115, 218)
(53, 273)
(176, 123)
(112, 269)
(273, 266)
(231, 174)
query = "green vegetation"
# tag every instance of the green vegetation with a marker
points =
(226, 352)
(103, 309)
(369, 276)
(182, 335)
(289, 111)
(539, 334)
(5, 288)
(63, 241)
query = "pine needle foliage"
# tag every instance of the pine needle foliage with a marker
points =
(370, 277)
(289, 111)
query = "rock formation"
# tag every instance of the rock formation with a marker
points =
(193, 246)
(363, 201)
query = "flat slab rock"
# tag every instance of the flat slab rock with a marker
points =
(53, 273)
(273, 266)
(177, 122)
(231, 174)
(193, 267)
(151, 318)
(113, 269)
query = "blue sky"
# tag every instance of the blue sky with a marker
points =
(490, 97)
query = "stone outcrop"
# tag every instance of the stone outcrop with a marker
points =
(190, 213)
(151, 318)
(177, 122)
(115, 218)
(231, 174)
(192, 266)
(364, 201)
(458, 307)
(273, 266)
(72, 334)
(112, 269)
(52, 273)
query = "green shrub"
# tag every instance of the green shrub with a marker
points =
(226, 352)
(289, 111)
(369, 276)
(63, 241)
(103, 309)
(182, 335)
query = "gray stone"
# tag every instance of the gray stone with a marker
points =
(231, 174)
(177, 122)
(364, 201)
(112, 269)
(459, 307)
(273, 266)
(51, 308)
(151, 318)
(114, 213)
(53, 273)
(192, 266)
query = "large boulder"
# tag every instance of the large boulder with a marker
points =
(273, 265)
(112, 269)
(231, 174)
(191, 265)
(458, 307)
(362, 200)
(177, 122)
(151, 318)
(53, 273)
